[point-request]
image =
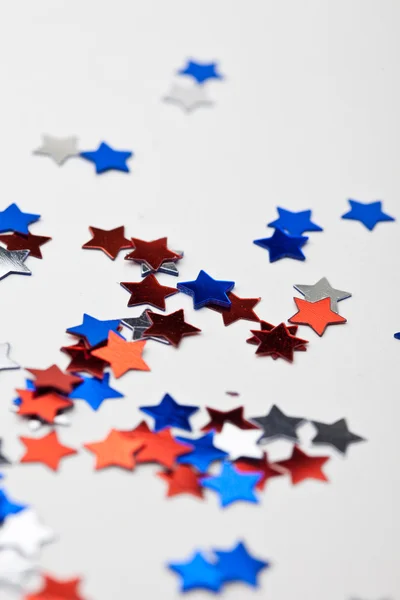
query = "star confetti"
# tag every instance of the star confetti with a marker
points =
(318, 315)
(278, 342)
(206, 290)
(233, 485)
(57, 589)
(182, 480)
(239, 565)
(204, 453)
(106, 158)
(13, 219)
(323, 289)
(219, 418)
(94, 330)
(94, 391)
(283, 245)
(20, 241)
(368, 214)
(170, 414)
(44, 407)
(83, 360)
(301, 466)
(8, 507)
(55, 379)
(110, 241)
(265, 326)
(262, 466)
(294, 223)
(122, 356)
(116, 450)
(152, 253)
(148, 291)
(198, 573)
(12, 262)
(46, 450)
(188, 98)
(239, 443)
(278, 425)
(14, 568)
(201, 72)
(240, 308)
(59, 149)
(172, 327)
(24, 532)
(335, 434)
(138, 325)
(161, 448)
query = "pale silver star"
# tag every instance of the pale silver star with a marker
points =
(323, 289)
(238, 442)
(5, 360)
(58, 148)
(188, 97)
(12, 261)
(25, 533)
(14, 568)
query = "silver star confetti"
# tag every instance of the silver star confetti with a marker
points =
(335, 434)
(139, 326)
(5, 360)
(12, 262)
(59, 149)
(188, 97)
(25, 533)
(167, 267)
(14, 568)
(323, 289)
(276, 424)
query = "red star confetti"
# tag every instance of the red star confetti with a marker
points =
(163, 449)
(123, 356)
(110, 241)
(20, 241)
(301, 466)
(219, 418)
(278, 341)
(172, 327)
(318, 315)
(57, 589)
(152, 253)
(116, 450)
(54, 378)
(240, 308)
(148, 291)
(182, 480)
(45, 407)
(265, 326)
(83, 360)
(46, 450)
(259, 465)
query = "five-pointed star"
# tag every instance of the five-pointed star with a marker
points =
(160, 447)
(12, 262)
(83, 360)
(54, 378)
(278, 342)
(24, 532)
(335, 434)
(265, 326)
(138, 325)
(95, 331)
(240, 308)
(5, 360)
(301, 466)
(45, 406)
(13, 219)
(368, 214)
(239, 565)
(204, 452)
(19, 241)
(318, 315)
(201, 72)
(172, 327)
(169, 413)
(122, 355)
(94, 391)
(148, 291)
(239, 443)
(278, 425)
(198, 573)
(219, 418)
(259, 465)
(233, 485)
(294, 223)
(14, 568)
(46, 450)
(206, 290)
(115, 450)
(188, 97)
(110, 241)
(283, 245)
(57, 589)
(106, 158)
(152, 253)
(58, 148)
(323, 289)
(182, 480)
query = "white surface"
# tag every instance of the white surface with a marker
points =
(307, 117)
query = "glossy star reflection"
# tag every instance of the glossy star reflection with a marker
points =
(240, 308)
(20, 241)
(110, 241)
(172, 327)
(206, 290)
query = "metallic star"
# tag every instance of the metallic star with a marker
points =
(335, 434)
(276, 424)
(5, 360)
(12, 262)
(323, 289)
(188, 98)
(139, 325)
(167, 267)
(239, 443)
(14, 568)
(58, 148)
(24, 532)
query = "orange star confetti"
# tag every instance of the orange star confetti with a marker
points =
(56, 589)
(44, 407)
(54, 378)
(122, 355)
(153, 253)
(163, 449)
(182, 480)
(318, 315)
(46, 450)
(110, 241)
(116, 450)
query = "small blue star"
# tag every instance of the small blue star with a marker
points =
(94, 330)
(282, 245)
(206, 290)
(12, 219)
(397, 336)
(201, 72)
(204, 452)
(368, 214)
(7, 507)
(233, 485)
(294, 223)
(170, 414)
(94, 391)
(238, 565)
(106, 158)
(198, 573)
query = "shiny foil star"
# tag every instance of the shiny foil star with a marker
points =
(206, 290)
(58, 148)
(83, 360)
(219, 418)
(115, 450)
(19, 241)
(46, 450)
(57, 589)
(369, 214)
(318, 315)
(172, 327)
(122, 356)
(301, 466)
(259, 465)
(106, 158)
(188, 98)
(148, 291)
(44, 407)
(12, 262)
(13, 219)
(278, 341)
(201, 72)
(110, 241)
(55, 379)
(322, 289)
(233, 485)
(240, 308)
(282, 245)
(265, 326)
(182, 480)
(152, 253)
(198, 573)
(169, 413)
(161, 448)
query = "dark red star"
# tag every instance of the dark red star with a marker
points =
(265, 326)
(240, 308)
(278, 341)
(182, 480)
(83, 360)
(219, 417)
(171, 327)
(21, 241)
(260, 465)
(110, 241)
(148, 291)
(55, 379)
(301, 466)
(152, 253)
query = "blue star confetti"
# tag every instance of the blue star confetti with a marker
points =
(282, 245)
(94, 391)
(13, 219)
(238, 565)
(106, 158)
(206, 290)
(170, 414)
(368, 214)
(294, 223)
(7, 507)
(204, 452)
(201, 72)
(397, 335)
(233, 485)
(198, 573)
(94, 330)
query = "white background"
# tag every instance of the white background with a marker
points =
(306, 117)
